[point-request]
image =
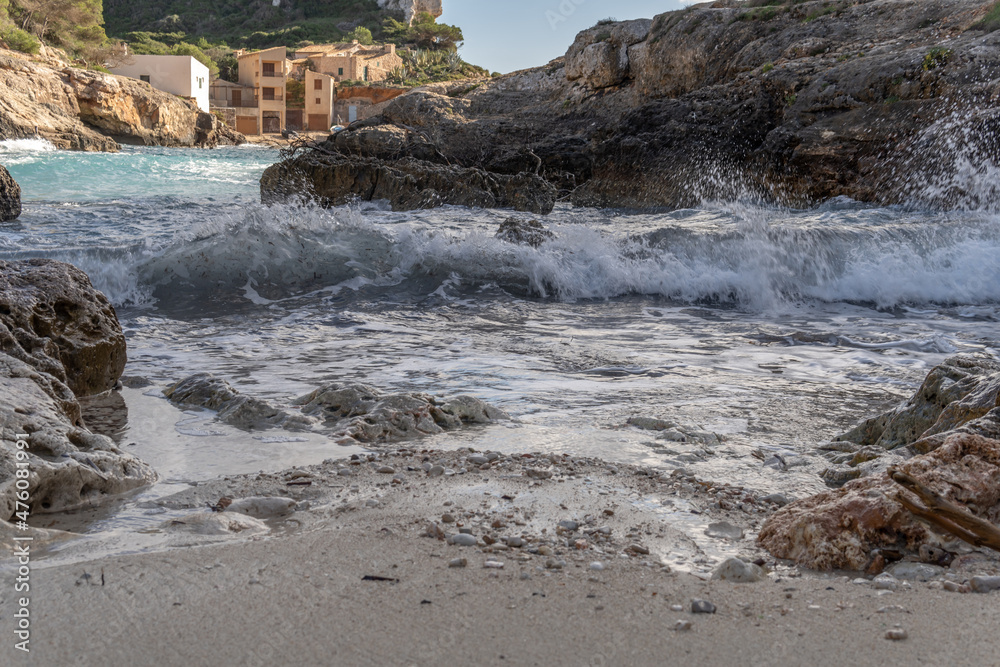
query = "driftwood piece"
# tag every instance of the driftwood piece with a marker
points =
(945, 515)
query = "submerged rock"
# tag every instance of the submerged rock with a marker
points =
(524, 232)
(356, 411)
(206, 391)
(60, 339)
(10, 196)
(839, 529)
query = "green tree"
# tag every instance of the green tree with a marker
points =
(362, 34)
(185, 49)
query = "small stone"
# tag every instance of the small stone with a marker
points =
(478, 459)
(569, 526)
(489, 539)
(702, 607)
(885, 582)
(552, 564)
(738, 572)
(458, 562)
(536, 473)
(682, 626)
(896, 634)
(597, 566)
(985, 584)
(387, 470)
(955, 587)
(462, 540)
(724, 530)
(778, 499)
(915, 571)
(435, 471)
(344, 472)
(515, 542)
(638, 549)
(371, 502)
(447, 518)
(493, 564)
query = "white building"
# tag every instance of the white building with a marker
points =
(180, 75)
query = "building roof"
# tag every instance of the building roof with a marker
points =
(262, 51)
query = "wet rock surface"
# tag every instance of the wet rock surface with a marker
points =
(796, 102)
(61, 341)
(349, 411)
(10, 196)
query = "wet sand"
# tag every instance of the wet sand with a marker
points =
(297, 594)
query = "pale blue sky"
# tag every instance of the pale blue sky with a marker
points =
(508, 35)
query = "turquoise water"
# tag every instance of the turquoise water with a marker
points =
(775, 328)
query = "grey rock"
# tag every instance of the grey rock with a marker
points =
(885, 582)
(985, 584)
(896, 634)
(915, 571)
(462, 540)
(738, 571)
(597, 566)
(10, 196)
(570, 526)
(702, 607)
(515, 542)
(458, 562)
(435, 471)
(386, 470)
(778, 499)
(524, 232)
(478, 459)
(724, 530)
(682, 626)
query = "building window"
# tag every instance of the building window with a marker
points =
(317, 84)
(366, 74)
(340, 71)
(268, 93)
(269, 69)
(317, 100)
(144, 77)
(201, 83)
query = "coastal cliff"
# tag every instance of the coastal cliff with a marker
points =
(91, 111)
(795, 103)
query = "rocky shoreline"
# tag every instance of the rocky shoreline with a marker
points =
(86, 110)
(795, 103)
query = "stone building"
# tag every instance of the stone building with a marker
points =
(351, 61)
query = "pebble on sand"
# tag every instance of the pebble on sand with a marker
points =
(896, 634)
(462, 540)
(458, 562)
(702, 607)
(682, 626)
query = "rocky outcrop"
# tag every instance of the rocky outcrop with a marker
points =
(58, 334)
(53, 319)
(354, 411)
(796, 102)
(841, 529)
(950, 432)
(92, 111)
(407, 184)
(10, 196)
(411, 8)
(524, 232)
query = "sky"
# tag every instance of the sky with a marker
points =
(508, 35)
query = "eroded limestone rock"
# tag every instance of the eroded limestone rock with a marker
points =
(839, 529)
(960, 390)
(524, 232)
(205, 391)
(53, 319)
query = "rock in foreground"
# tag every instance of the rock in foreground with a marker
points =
(10, 196)
(839, 529)
(60, 339)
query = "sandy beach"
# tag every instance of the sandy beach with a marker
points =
(352, 578)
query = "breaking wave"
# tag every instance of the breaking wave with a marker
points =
(773, 257)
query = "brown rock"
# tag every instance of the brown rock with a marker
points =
(839, 529)
(53, 319)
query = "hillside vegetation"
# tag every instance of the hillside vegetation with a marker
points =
(73, 25)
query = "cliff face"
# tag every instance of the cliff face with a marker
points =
(411, 8)
(797, 102)
(87, 110)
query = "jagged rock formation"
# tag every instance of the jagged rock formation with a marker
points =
(10, 196)
(355, 411)
(797, 102)
(88, 110)
(60, 340)
(411, 8)
(951, 425)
